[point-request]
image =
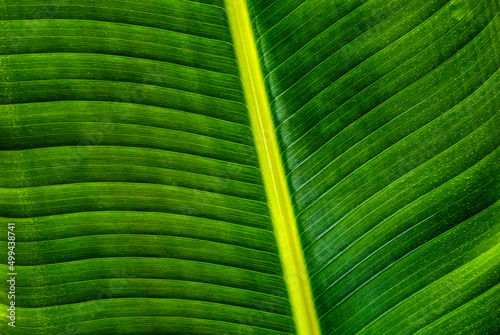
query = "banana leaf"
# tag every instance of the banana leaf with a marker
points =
(250, 167)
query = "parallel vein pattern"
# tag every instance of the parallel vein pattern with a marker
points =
(387, 118)
(129, 168)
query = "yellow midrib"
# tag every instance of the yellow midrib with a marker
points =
(285, 226)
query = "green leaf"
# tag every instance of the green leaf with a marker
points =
(250, 167)
(387, 119)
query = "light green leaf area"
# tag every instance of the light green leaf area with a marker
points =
(129, 168)
(172, 168)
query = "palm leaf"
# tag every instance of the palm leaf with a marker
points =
(258, 167)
